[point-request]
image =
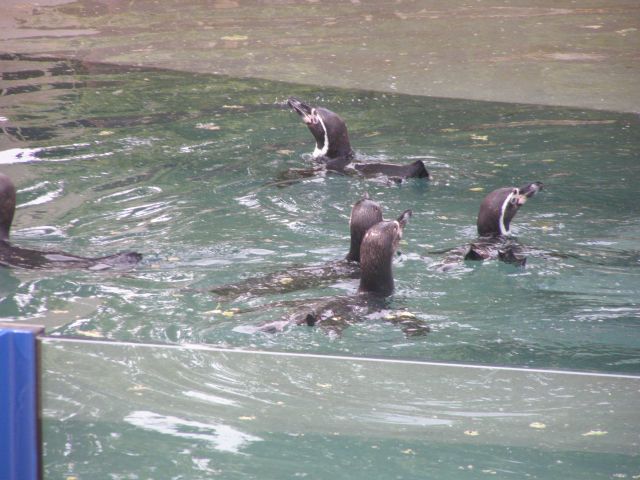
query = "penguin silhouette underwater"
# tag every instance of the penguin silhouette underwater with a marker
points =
(333, 150)
(14, 256)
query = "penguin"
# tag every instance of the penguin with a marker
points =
(497, 210)
(17, 257)
(364, 214)
(333, 148)
(377, 251)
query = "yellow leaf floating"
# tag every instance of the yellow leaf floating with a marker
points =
(471, 433)
(548, 160)
(284, 152)
(92, 333)
(235, 38)
(476, 189)
(105, 133)
(233, 107)
(228, 313)
(594, 433)
(247, 417)
(538, 425)
(483, 138)
(207, 126)
(408, 451)
(286, 280)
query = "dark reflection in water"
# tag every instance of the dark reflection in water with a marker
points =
(22, 74)
(20, 89)
(31, 134)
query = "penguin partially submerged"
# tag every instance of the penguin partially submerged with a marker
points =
(364, 214)
(333, 150)
(497, 210)
(13, 256)
(377, 251)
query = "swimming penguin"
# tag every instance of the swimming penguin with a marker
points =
(333, 149)
(497, 210)
(378, 247)
(377, 251)
(364, 214)
(13, 256)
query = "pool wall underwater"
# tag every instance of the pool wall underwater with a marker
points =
(197, 411)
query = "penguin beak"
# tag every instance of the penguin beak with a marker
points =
(403, 219)
(531, 189)
(526, 192)
(305, 111)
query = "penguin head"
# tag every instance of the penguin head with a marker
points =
(500, 206)
(364, 214)
(7, 205)
(327, 128)
(378, 248)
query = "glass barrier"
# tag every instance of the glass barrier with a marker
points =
(117, 410)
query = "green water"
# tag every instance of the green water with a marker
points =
(138, 412)
(181, 168)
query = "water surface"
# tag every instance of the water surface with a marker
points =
(181, 167)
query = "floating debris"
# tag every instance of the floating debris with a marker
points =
(483, 138)
(92, 333)
(207, 126)
(235, 38)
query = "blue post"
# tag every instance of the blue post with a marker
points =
(19, 405)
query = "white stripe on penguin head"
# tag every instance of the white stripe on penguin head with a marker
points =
(505, 204)
(317, 153)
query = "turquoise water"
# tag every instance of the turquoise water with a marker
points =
(136, 411)
(182, 167)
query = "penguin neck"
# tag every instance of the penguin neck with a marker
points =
(504, 223)
(7, 210)
(376, 277)
(354, 249)
(332, 143)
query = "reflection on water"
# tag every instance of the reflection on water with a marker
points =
(181, 168)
